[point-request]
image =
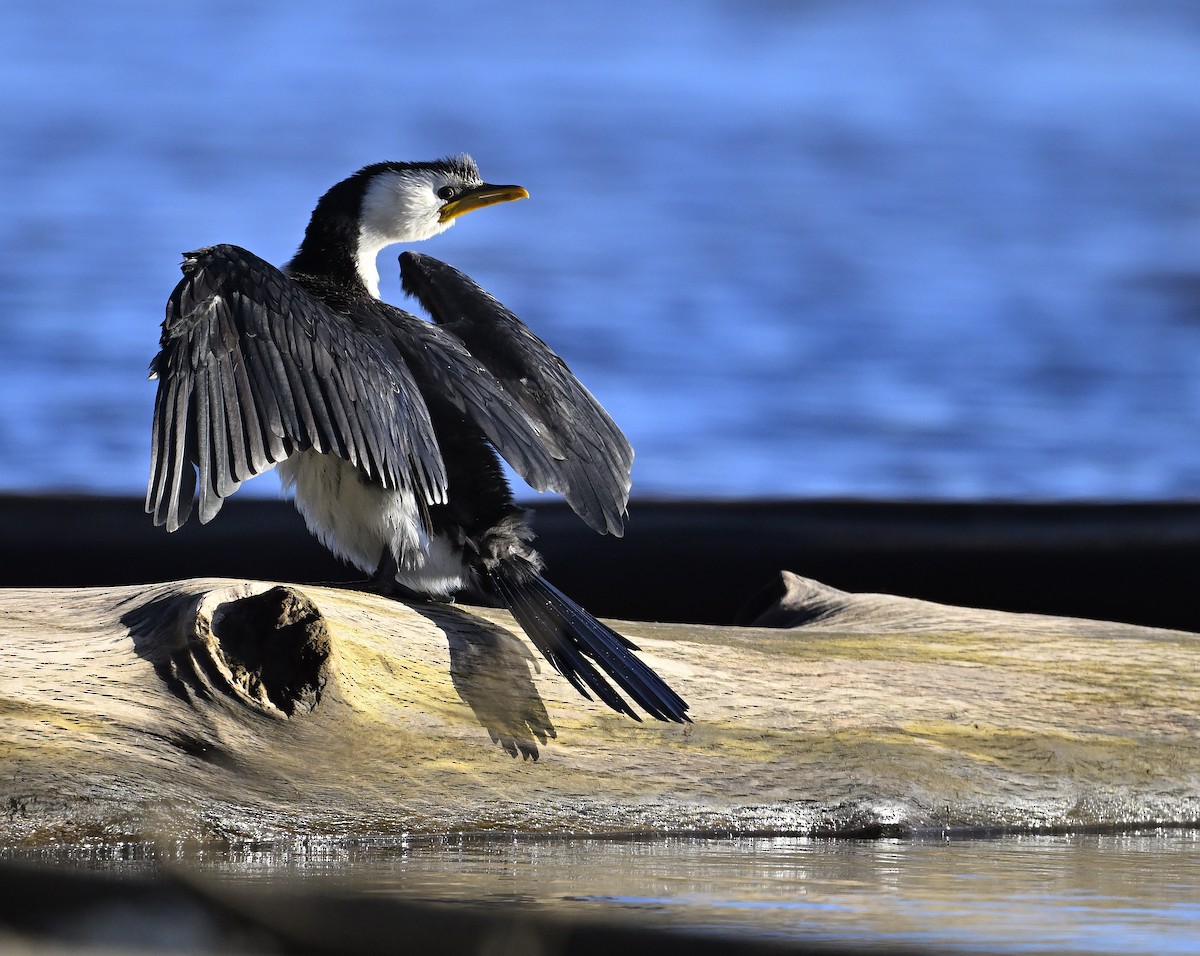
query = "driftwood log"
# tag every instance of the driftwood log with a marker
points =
(220, 709)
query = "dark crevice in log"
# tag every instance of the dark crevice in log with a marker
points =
(275, 646)
(269, 650)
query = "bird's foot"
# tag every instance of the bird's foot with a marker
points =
(383, 582)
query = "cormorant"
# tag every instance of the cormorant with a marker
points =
(385, 426)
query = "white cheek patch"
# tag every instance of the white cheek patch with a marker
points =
(397, 207)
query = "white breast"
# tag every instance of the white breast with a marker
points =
(357, 521)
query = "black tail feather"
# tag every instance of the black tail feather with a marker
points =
(574, 642)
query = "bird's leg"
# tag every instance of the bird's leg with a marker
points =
(384, 582)
(384, 579)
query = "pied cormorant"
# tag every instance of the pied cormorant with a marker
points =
(385, 426)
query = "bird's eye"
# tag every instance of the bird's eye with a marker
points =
(447, 193)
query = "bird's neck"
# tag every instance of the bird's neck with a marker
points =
(336, 249)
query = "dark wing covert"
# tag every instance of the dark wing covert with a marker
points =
(252, 369)
(578, 450)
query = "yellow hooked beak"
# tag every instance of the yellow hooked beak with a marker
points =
(480, 196)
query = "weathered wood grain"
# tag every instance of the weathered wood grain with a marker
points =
(181, 711)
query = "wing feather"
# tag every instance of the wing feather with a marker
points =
(445, 368)
(550, 428)
(251, 447)
(252, 368)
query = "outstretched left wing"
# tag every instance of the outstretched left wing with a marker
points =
(253, 369)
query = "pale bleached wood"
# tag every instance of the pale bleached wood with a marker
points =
(120, 718)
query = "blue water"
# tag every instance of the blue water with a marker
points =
(934, 249)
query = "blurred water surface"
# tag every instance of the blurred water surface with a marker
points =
(1132, 893)
(927, 249)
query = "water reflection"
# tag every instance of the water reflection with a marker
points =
(1128, 893)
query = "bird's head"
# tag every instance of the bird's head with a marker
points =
(407, 202)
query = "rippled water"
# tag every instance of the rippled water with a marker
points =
(936, 249)
(1131, 893)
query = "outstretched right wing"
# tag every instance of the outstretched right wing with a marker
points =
(252, 369)
(580, 453)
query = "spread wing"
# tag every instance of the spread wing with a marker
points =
(252, 369)
(573, 446)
